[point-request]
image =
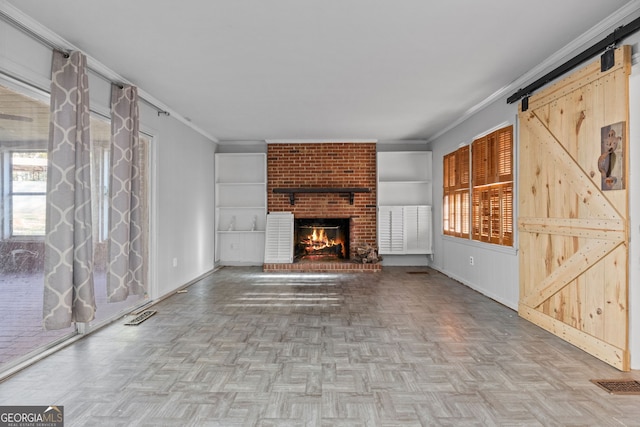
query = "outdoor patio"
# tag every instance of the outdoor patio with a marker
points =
(21, 329)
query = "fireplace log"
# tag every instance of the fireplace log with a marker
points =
(367, 254)
(327, 250)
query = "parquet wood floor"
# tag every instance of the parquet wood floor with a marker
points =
(247, 348)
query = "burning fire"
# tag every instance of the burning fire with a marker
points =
(319, 240)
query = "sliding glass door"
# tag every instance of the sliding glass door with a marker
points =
(24, 130)
(100, 140)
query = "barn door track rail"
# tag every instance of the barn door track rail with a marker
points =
(606, 61)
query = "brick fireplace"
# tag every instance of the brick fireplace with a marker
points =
(319, 166)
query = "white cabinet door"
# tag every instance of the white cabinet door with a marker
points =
(390, 230)
(404, 230)
(279, 238)
(241, 248)
(418, 237)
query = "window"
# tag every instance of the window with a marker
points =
(24, 129)
(456, 193)
(27, 192)
(485, 203)
(25, 184)
(100, 140)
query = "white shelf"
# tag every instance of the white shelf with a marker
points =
(403, 182)
(241, 204)
(239, 184)
(404, 193)
(247, 196)
(404, 166)
(240, 207)
(234, 168)
(240, 231)
(405, 196)
(404, 178)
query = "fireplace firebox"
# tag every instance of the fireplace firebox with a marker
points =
(321, 239)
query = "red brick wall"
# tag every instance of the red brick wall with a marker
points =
(326, 165)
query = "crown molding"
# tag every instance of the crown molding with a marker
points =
(607, 24)
(44, 35)
(320, 141)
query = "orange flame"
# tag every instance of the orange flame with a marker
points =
(318, 239)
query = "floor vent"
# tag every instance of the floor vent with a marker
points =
(619, 386)
(141, 318)
(417, 272)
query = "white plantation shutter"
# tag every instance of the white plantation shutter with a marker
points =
(279, 238)
(384, 229)
(391, 230)
(418, 229)
(405, 230)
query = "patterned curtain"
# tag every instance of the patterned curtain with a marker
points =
(127, 270)
(68, 287)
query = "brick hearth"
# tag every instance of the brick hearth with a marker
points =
(324, 267)
(316, 165)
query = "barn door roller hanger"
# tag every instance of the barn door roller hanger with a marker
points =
(607, 45)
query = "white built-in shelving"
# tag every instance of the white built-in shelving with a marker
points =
(404, 202)
(241, 208)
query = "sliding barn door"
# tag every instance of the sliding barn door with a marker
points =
(573, 213)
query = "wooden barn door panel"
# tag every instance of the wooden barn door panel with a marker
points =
(573, 236)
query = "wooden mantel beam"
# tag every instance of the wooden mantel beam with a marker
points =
(341, 190)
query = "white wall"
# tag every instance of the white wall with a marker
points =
(24, 57)
(183, 202)
(182, 166)
(495, 269)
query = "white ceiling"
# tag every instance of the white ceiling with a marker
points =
(320, 69)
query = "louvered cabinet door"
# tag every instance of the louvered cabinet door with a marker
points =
(391, 230)
(279, 238)
(417, 220)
